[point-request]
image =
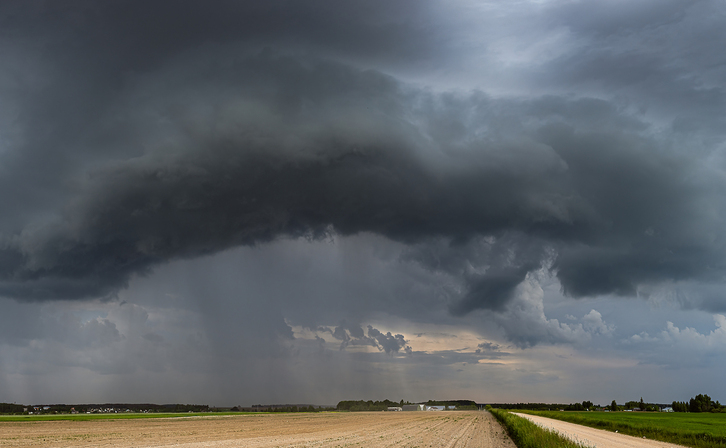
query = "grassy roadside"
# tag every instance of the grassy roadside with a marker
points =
(124, 416)
(526, 434)
(693, 430)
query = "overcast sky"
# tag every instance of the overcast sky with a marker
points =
(229, 202)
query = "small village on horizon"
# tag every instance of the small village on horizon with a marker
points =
(699, 403)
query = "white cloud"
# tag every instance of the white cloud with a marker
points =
(526, 324)
(594, 324)
(681, 347)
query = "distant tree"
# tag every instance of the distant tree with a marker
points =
(701, 403)
(587, 404)
(642, 405)
(613, 406)
(369, 405)
(680, 406)
(11, 408)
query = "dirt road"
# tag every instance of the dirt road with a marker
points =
(597, 438)
(451, 429)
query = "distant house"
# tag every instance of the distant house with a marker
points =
(395, 408)
(667, 409)
(435, 408)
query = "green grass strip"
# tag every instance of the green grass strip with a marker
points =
(693, 430)
(526, 434)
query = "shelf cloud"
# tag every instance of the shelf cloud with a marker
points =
(487, 166)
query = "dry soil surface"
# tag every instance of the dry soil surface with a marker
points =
(359, 429)
(598, 438)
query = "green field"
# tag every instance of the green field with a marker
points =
(698, 430)
(125, 415)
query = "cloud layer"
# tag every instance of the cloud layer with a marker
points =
(575, 184)
(263, 181)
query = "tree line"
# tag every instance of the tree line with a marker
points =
(11, 408)
(699, 403)
(584, 406)
(309, 408)
(8, 408)
(370, 405)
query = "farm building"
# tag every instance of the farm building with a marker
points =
(395, 408)
(435, 408)
(414, 407)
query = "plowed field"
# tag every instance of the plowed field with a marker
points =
(360, 429)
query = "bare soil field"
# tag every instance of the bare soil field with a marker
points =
(360, 429)
(596, 438)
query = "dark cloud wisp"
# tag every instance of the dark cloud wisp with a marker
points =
(350, 334)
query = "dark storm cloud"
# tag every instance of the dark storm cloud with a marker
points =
(486, 347)
(304, 148)
(167, 139)
(661, 59)
(492, 290)
(134, 35)
(348, 335)
(604, 19)
(388, 342)
(65, 64)
(354, 335)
